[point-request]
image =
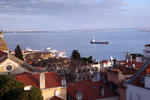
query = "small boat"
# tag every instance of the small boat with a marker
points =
(102, 42)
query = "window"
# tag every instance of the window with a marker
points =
(130, 96)
(79, 95)
(101, 88)
(138, 97)
(142, 79)
(56, 93)
(94, 87)
(9, 68)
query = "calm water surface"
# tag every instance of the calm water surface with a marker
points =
(120, 42)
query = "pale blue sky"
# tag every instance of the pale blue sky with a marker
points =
(73, 14)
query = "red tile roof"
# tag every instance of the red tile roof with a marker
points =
(130, 64)
(137, 80)
(147, 45)
(51, 79)
(137, 65)
(104, 61)
(3, 56)
(90, 90)
(55, 98)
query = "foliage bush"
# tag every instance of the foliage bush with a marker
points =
(11, 89)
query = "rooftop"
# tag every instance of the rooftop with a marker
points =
(51, 79)
(147, 45)
(55, 98)
(90, 90)
(142, 71)
(104, 61)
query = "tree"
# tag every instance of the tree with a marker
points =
(75, 55)
(11, 89)
(18, 52)
(87, 60)
(33, 94)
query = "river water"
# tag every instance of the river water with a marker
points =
(120, 42)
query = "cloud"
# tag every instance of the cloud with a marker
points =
(58, 6)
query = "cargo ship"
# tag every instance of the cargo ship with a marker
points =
(102, 42)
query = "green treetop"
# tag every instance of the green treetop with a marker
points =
(11, 89)
(75, 55)
(18, 52)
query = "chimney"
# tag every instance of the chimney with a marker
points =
(42, 80)
(63, 81)
(133, 65)
(130, 58)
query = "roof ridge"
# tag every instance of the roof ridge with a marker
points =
(24, 64)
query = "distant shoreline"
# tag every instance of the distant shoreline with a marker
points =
(84, 30)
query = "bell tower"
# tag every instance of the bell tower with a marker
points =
(1, 34)
(3, 44)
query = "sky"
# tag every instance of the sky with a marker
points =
(73, 14)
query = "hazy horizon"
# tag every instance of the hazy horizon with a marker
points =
(73, 14)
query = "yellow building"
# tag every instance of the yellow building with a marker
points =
(3, 44)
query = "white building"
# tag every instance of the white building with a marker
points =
(106, 63)
(138, 87)
(146, 51)
(135, 92)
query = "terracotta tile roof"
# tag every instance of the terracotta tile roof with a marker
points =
(3, 56)
(104, 61)
(51, 79)
(90, 90)
(130, 64)
(55, 98)
(147, 45)
(137, 80)
(137, 65)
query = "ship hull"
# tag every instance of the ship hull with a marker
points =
(99, 42)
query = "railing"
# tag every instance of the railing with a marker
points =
(139, 71)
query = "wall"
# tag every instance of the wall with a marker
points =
(147, 48)
(137, 93)
(16, 67)
(49, 93)
(122, 93)
(138, 59)
(113, 76)
(146, 52)
(109, 98)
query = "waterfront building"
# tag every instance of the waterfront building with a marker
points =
(3, 44)
(146, 52)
